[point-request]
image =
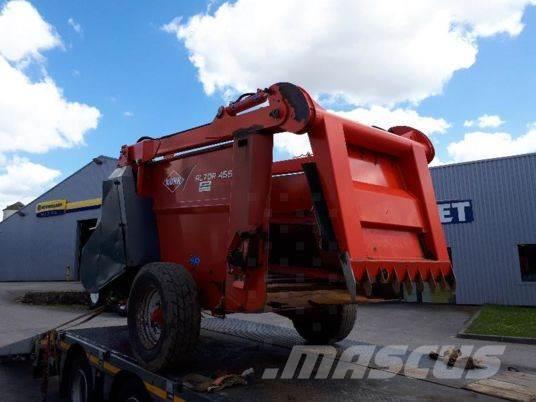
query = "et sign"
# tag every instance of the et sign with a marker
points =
(455, 211)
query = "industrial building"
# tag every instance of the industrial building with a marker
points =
(42, 240)
(488, 211)
(11, 209)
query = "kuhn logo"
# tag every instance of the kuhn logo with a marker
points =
(174, 181)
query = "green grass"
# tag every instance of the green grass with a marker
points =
(505, 321)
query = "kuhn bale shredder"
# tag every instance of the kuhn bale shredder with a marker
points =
(204, 219)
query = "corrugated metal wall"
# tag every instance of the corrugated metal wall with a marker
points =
(484, 252)
(34, 249)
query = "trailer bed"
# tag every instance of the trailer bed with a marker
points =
(232, 346)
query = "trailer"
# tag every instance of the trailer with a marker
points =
(97, 364)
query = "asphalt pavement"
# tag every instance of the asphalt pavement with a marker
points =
(380, 324)
(416, 325)
(19, 321)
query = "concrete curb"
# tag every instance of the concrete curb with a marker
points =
(55, 297)
(494, 338)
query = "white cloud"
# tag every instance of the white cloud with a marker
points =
(35, 116)
(481, 145)
(485, 121)
(173, 25)
(360, 51)
(128, 114)
(385, 118)
(490, 121)
(22, 180)
(292, 144)
(437, 161)
(211, 4)
(75, 25)
(374, 116)
(347, 50)
(23, 33)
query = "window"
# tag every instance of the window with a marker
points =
(527, 262)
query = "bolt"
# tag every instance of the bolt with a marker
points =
(275, 114)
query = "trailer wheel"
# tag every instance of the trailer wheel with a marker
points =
(325, 325)
(164, 315)
(80, 380)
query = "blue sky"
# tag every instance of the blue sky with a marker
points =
(502, 82)
(135, 75)
(123, 62)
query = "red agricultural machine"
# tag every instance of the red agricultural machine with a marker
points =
(204, 219)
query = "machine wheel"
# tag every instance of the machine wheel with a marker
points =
(325, 325)
(132, 391)
(80, 380)
(164, 315)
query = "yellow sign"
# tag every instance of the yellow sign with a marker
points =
(49, 208)
(85, 204)
(58, 207)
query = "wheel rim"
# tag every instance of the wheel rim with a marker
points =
(79, 388)
(149, 319)
(94, 297)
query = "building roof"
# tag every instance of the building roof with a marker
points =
(480, 161)
(61, 182)
(14, 207)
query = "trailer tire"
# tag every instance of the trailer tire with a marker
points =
(164, 316)
(80, 382)
(325, 325)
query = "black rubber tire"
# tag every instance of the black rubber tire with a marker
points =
(80, 377)
(132, 391)
(181, 315)
(325, 325)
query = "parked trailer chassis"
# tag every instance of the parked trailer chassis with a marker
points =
(230, 346)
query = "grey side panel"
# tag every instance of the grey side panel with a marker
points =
(141, 233)
(126, 235)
